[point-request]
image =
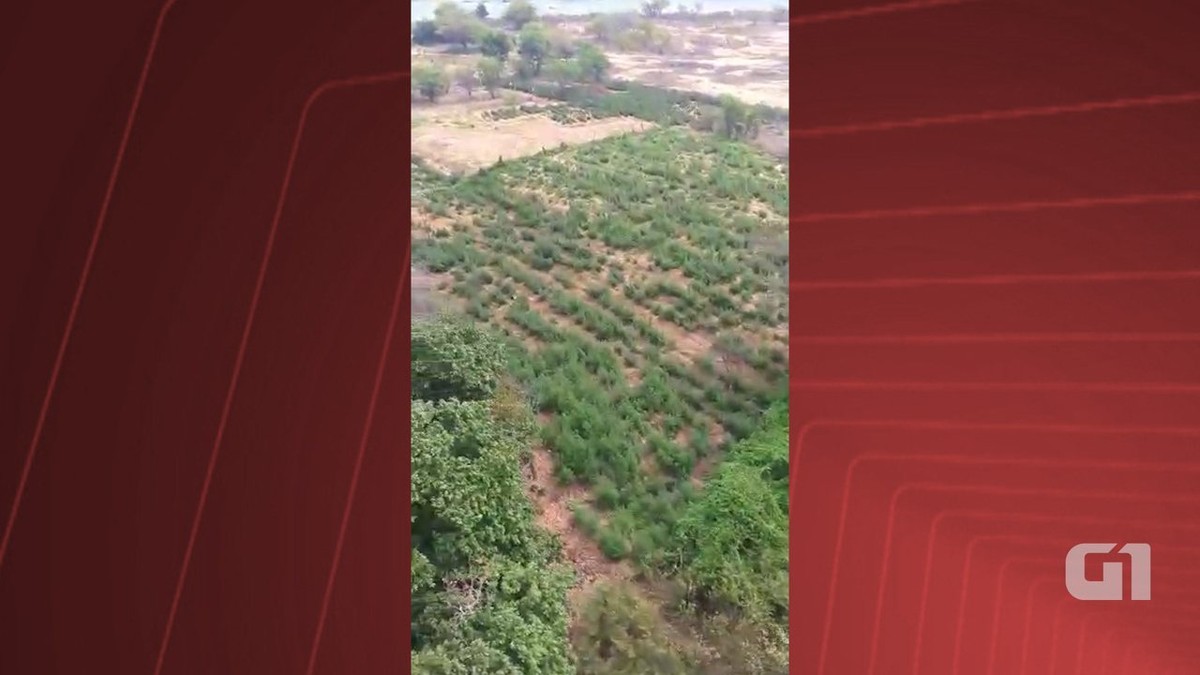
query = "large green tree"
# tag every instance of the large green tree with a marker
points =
(488, 587)
(739, 120)
(454, 358)
(456, 25)
(563, 72)
(519, 13)
(430, 80)
(425, 32)
(592, 62)
(733, 540)
(534, 45)
(731, 553)
(491, 74)
(495, 43)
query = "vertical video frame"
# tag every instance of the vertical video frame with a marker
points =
(599, 337)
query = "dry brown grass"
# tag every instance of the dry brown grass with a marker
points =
(735, 57)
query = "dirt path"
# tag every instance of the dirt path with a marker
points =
(552, 504)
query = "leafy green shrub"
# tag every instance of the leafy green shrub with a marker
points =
(454, 359)
(607, 495)
(613, 545)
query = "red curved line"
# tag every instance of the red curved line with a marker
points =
(358, 462)
(928, 425)
(998, 280)
(1189, 570)
(1055, 632)
(1109, 640)
(910, 487)
(84, 274)
(1003, 572)
(1026, 632)
(245, 339)
(965, 583)
(1087, 387)
(931, 542)
(1009, 517)
(998, 115)
(1177, 638)
(874, 10)
(976, 338)
(1000, 207)
(952, 425)
(1081, 641)
(996, 607)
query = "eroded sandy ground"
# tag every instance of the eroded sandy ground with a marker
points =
(456, 137)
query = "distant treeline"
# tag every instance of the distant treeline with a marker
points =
(656, 104)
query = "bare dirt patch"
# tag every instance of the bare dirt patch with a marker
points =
(628, 261)
(426, 300)
(747, 60)
(633, 376)
(701, 471)
(552, 504)
(423, 221)
(705, 465)
(456, 137)
(548, 199)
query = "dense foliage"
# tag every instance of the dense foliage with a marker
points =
(488, 590)
(721, 114)
(456, 360)
(732, 541)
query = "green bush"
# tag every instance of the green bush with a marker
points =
(613, 545)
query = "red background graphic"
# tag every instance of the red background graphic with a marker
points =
(207, 199)
(995, 343)
(995, 260)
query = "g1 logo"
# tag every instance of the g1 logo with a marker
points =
(1111, 584)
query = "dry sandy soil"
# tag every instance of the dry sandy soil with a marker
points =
(454, 136)
(747, 60)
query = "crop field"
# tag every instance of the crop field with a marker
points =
(641, 283)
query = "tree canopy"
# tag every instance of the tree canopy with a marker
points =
(455, 359)
(592, 62)
(519, 13)
(430, 80)
(534, 45)
(488, 588)
(496, 43)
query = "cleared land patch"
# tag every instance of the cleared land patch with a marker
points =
(467, 137)
(744, 59)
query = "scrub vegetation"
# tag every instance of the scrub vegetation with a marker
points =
(600, 403)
